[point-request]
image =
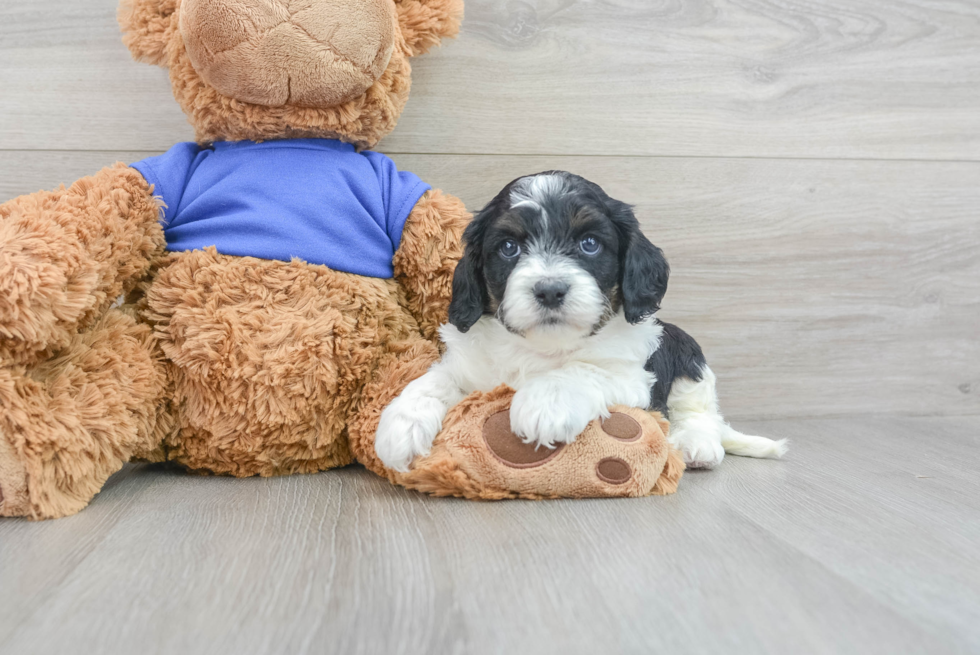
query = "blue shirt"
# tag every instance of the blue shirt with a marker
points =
(316, 199)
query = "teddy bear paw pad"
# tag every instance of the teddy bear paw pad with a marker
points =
(613, 470)
(510, 449)
(622, 427)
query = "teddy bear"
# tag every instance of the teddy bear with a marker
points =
(249, 303)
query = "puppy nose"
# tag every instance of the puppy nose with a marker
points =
(550, 293)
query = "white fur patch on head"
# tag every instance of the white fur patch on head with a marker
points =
(583, 307)
(536, 189)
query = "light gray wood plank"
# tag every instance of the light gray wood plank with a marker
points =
(826, 78)
(891, 504)
(816, 287)
(28, 171)
(818, 553)
(31, 570)
(69, 81)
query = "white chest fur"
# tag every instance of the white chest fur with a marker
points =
(489, 355)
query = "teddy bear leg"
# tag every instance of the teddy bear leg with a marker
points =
(269, 357)
(67, 423)
(66, 255)
(477, 455)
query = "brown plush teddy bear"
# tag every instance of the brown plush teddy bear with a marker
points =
(281, 282)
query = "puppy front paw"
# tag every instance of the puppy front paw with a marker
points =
(406, 430)
(546, 418)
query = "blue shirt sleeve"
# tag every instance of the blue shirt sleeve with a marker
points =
(168, 174)
(400, 190)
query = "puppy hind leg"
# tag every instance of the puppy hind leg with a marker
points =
(701, 433)
(696, 425)
(736, 443)
(698, 438)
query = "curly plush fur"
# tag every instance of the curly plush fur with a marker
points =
(229, 365)
(267, 358)
(71, 421)
(424, 264)
(68, 254)
(253, 367)
(151, 29)
(234, 365)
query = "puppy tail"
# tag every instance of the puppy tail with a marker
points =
(745, 445)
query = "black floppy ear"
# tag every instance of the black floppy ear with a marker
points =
(643, 268)
(644, 282)
(470, 297)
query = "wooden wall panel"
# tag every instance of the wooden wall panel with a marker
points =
(816, 287)
(786, 78)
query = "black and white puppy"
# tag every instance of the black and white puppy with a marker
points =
(555, 296)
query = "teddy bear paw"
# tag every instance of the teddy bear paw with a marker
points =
(618, 432)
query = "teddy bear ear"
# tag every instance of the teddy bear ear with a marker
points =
(148, 25)
(426, 22)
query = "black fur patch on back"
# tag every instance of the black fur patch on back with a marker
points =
(679, 356)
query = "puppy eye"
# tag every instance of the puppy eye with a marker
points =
(590, 245)
(509, 249)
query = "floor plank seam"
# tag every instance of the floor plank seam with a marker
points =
(909, 160)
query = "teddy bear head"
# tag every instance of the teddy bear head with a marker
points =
(269, 69)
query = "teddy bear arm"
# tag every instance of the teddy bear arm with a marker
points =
(430, 247)
(67, 255)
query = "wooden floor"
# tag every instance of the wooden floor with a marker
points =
(863, 541)
(812, 170)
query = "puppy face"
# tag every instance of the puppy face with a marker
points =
(553, 254)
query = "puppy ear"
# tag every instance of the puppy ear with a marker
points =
(470, 298)
(148, 26)
(644, 278)
(643, 268)
(470, 295)
(424, 23)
